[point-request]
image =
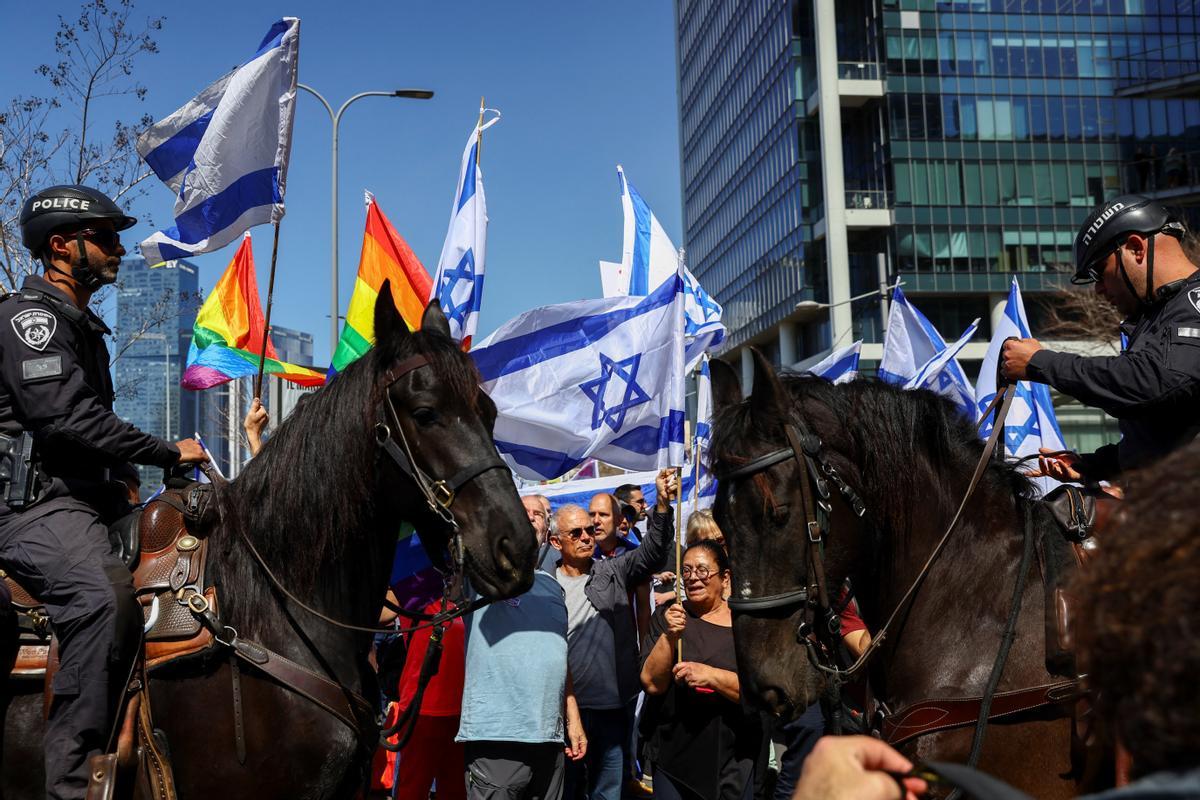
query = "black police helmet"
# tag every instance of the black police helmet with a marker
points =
(1107, 227)
(66, 206)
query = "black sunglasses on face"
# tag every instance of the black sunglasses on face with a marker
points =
(575, 533)
(106, 238)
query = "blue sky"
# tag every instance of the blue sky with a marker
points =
(581, 86)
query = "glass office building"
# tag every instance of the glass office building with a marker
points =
(156, 309)
(831, 148)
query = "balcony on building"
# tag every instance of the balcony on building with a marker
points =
(1172, 177)
(866, 209)
(859, 82)
(1172, 71)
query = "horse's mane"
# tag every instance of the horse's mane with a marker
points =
(310, 496)
(891, 443)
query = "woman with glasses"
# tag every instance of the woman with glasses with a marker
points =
(706, 747)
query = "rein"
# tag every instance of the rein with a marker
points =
(820, 641)
(342, 702)
(439, 496)
(805, 448)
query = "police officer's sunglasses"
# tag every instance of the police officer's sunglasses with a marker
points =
(105, 238)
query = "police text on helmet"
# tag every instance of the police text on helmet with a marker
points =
(73, 203)
(1100, 220)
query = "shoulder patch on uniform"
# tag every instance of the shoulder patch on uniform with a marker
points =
(36, 369)
(1193, 296)
(35, 326)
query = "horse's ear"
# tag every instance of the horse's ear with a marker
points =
(435, 320)
(726, 385)
(390, 328)
(768, 396)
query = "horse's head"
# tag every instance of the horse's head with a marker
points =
(441, 458)
(761, 510)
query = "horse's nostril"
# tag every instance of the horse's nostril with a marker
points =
(505, 556)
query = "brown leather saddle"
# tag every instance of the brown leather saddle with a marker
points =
(165, 546)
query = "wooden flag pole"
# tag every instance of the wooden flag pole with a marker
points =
(679, 535)
(262, 356)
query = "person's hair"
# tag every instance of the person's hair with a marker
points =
(719, 556)
(701, 524)
(563, 511)
(1137, 626)
(550, 526)
(614, 505)
(625, 491)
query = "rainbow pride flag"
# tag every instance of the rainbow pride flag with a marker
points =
(385, 256)
(227, 337)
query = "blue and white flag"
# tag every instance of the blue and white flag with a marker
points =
(1031, 423)
(225, 153)
(458, 283)
(648, 259)
(931, 375)
(840, 366)
(589, 379)
(703, 485)
(910, 343)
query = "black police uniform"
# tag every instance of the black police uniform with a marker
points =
(1152, 387)
(55, 384)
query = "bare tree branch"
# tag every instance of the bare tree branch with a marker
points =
(51, 139)
(1079, 313)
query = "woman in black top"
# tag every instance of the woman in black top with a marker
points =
(706, 746)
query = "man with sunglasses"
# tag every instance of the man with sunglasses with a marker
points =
(1131, 249)
(62, 452)
(602, 638)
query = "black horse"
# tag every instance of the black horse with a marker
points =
(323, 504)
(908, 456)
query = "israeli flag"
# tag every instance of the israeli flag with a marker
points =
(458, 283)
(910, 343)
(225, 153)
(840, 366)
(589, 379)
(703, 485)
(648, 259)
(931, 375)
(1031, 423)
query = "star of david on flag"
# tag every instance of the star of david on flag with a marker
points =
(589, 379)
(1031, 423)
(458, 283)
(626, 395)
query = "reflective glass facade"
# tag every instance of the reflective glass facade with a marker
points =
(1004, 126)
(743, 167)
(156, 309)
(987, 129)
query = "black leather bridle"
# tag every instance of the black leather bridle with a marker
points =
(820, 641)
(806, 449)
(439, 494)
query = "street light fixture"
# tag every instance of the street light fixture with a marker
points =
(336, 118)
(809, 310)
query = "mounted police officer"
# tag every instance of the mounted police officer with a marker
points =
(61, 447)
(1131, 249)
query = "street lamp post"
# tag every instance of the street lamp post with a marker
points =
(336, 118)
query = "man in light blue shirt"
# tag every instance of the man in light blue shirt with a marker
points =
(518, 708)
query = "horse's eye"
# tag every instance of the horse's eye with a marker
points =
(425, 416)
(781, 512)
